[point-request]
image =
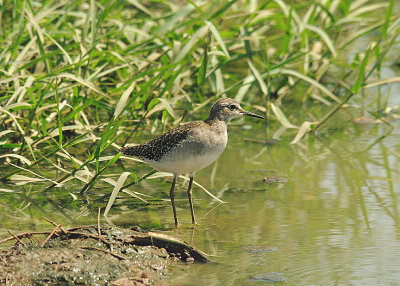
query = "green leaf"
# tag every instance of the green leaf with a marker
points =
(218, 37)
(189, 45)
(108, 132)
(81, 81)
(177, 16)
(360, 79)
(167, 106)
(281, 117)
(123, 100)
(221, 10)
(311, 81)
(42, 52)
(304, 129)
(259, 78)
(116, 190)
(203, 67)
(79, 109)
(60, 134)
(324, 36)
(387, 19)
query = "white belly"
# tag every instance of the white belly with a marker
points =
(182, 163)
(196, 152)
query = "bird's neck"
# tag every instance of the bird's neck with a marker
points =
(217, 118)
(217, 126)
(216, 122)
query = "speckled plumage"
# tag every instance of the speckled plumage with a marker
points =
(185, 149)
(156, 148)
(190, 147)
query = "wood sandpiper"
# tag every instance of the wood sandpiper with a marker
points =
(190, 147)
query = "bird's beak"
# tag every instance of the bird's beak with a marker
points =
(251, 114)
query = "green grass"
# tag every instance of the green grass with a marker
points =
(76, 75)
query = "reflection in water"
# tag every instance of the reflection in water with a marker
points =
(335, 219)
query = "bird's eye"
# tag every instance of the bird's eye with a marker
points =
(232, 107)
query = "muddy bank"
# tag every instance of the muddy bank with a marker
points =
(81, 256)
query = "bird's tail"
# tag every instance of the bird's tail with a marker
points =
(128, 150)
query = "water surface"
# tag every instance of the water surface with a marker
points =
(334, 221)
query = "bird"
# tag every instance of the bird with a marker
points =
(190, 147)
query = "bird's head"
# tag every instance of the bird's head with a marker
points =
(225, 109)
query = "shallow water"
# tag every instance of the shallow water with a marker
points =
(334, 221)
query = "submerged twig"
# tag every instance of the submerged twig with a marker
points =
(50, 235)
(120, 257)
(98, 222)
(56, 224)
(171, 244)
(16, 237)
(22, 235)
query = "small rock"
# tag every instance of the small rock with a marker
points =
(137, 228)
(235, 190)
(185, 255)
(131, 281)
(268, 180)
(268, 277)
(258, 249)
(79, 255)
(190, 260)
(160, 252)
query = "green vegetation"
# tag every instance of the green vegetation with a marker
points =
(76, 75)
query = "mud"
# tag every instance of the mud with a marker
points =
(81, 257)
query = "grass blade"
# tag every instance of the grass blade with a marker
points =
(167, 106)
(360, 79)
(123, 100)
(259, 78)
(222, 10)
(312, 82)
(218, 37)
(115, 191)
(324, 36)
(203, 67)
(281, 117)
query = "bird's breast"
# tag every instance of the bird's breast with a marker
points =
(195, 153)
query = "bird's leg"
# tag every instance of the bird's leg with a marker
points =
(189, 192)
(172, 196)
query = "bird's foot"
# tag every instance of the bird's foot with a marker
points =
(194, 223)
(176, 226)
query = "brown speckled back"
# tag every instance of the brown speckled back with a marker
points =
(156, 148)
